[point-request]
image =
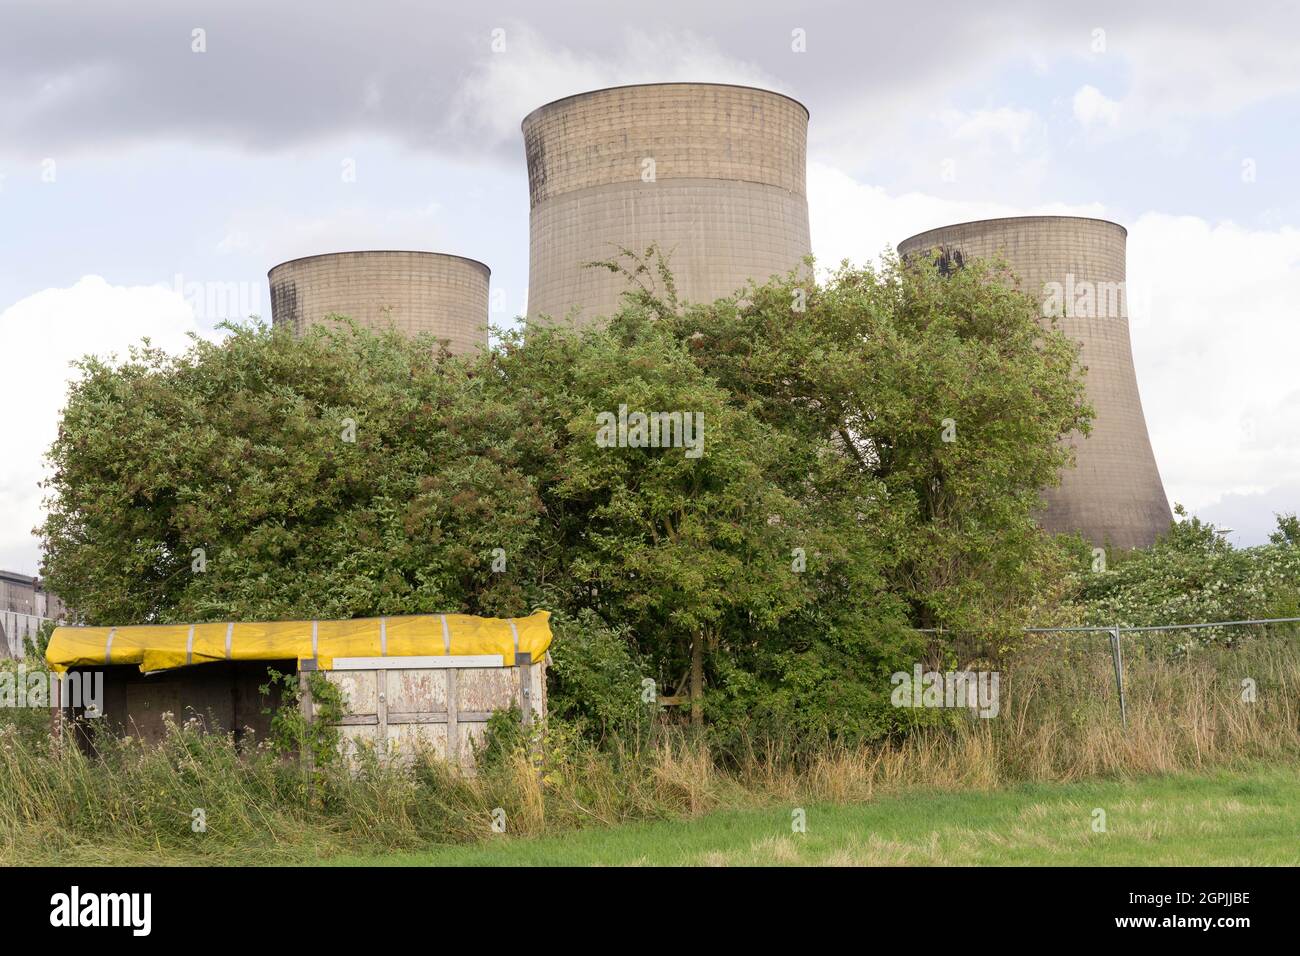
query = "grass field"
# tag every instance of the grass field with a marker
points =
(1226, 819)
(1199, 775)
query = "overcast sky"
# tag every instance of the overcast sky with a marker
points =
(146, 188)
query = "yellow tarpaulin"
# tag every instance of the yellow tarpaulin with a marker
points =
(163, 646)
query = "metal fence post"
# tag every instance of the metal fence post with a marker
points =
(1117, 654)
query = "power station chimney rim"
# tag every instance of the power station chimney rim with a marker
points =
(632, 86)
(1011, 219)
(382, 252)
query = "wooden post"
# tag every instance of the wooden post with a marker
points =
(453, 719)
(697, 680)
(56, 711)
(381, 712)
(524, 665)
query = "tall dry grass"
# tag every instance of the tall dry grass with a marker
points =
(1058, 721)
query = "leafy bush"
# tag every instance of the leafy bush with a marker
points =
(38, 642)
(29, 723)
(337, 474)
(1195, 575)
(292, 734)
(595, 680)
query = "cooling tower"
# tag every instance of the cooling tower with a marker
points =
(1076, 268)
(712, 173)
(412, 292)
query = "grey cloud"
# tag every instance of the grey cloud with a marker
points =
(1252, 518)
(88, 75)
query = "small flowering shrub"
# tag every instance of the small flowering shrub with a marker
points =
(1194, 575)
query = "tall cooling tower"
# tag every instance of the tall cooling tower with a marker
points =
(712, 173)
(412, 292)
(1076, 268)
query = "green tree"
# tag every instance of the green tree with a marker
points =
(865, 457)
(1288, 530)
(688, 552)
(339, 474)
(946, 398)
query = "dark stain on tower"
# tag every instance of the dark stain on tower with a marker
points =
(949, 260)
(284, 303)
(412, 292)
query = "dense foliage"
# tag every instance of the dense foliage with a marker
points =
(872, 454)
(337, 475)
(1194, 575)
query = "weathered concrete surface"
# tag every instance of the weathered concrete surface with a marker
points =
(411, 292)
(713, 173)
(1114, 495)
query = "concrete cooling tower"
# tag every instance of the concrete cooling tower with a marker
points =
(712, 173)
(412, 292)
(1076, 268)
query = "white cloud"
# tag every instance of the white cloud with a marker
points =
(1218, 65)
(855, 221)
(1094, 108)
(1215, 339)
(276, 236)
(989, 129)
(41, 335)
(1252, 518)
(1188, 72)
(530, 72)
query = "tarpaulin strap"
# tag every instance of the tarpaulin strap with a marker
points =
(383, 637)
(315, 629)
(514, 631)
(108, 646)
(230, 636)
(446, 635)
(189, 646)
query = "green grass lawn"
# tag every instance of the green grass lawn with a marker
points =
(1246, 818)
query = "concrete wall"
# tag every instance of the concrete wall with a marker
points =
(16, 629)
(1114, 495)
(20, 594)
(727, 199)
(24, 606)
(409, 291)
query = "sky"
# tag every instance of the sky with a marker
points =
(157, 157)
